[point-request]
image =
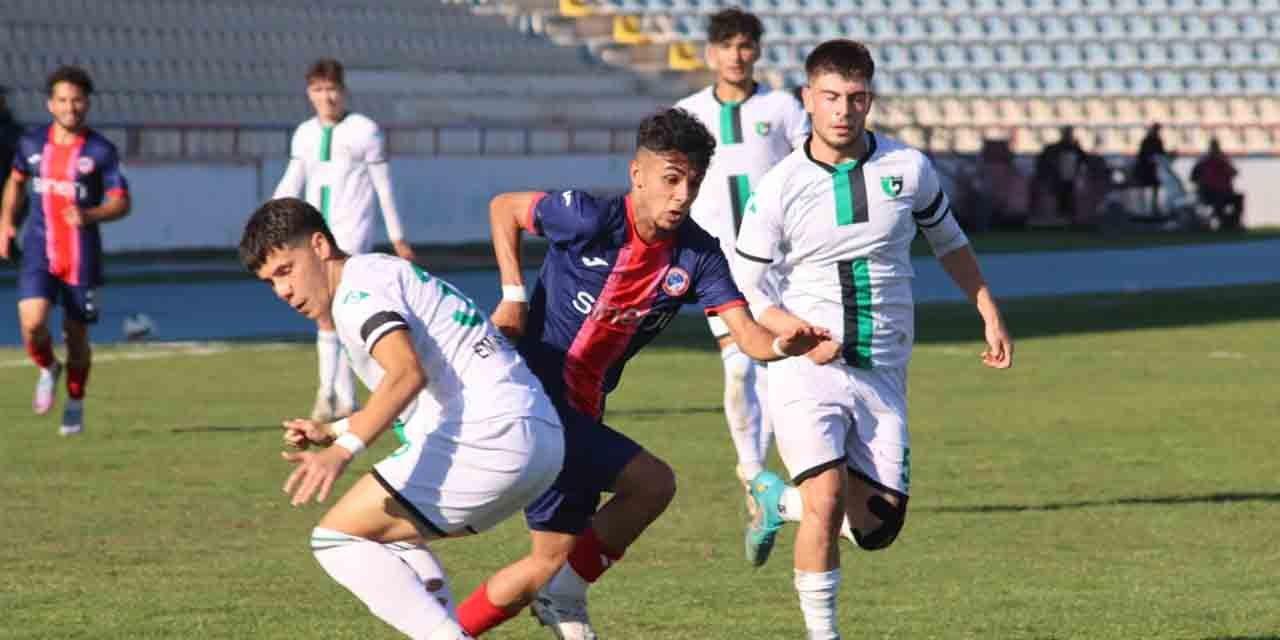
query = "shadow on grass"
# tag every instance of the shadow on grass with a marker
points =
(1212, 498)
(659, 411)
(1270, 637)
(1066, 315)
(221, 429)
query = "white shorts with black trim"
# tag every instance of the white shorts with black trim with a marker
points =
(834, 413)
(453, 486)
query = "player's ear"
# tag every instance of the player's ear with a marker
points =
(320, 245)
(806, 96)
(635, 172)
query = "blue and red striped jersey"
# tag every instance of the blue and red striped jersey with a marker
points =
(83, 173)
(603, 293)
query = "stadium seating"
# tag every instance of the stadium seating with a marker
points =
(990, 65)
(240, 62)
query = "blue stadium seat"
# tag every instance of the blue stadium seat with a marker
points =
(969, 83)
(923, 56)
(1139, 27)
(1125, 54)
(1256, 83)
(940, 28)
(1227, 82)
(854, 27)
(939, 83)
(1082, 82)
(1225, 26)
(1110, 27)
(1266, 53)
(1169, 83)
(980, 56)
(953, 56)
(996, 28)
(1252, 26)
(970, 28)
(1024, 83)
(997, 83)
(1037, 55)
(1205, 54)
(1112, 83)
(1053, 83)
(909, 28)
(1140, 82)
(1068, 54)
(1199, 83)
(1153, 53)
(1082, 27)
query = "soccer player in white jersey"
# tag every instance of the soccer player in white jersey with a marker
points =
(754, 127)
(338, 162)
(834, 222)
(479, 437)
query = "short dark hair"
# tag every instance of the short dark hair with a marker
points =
(72, 74)
(280, 224)
(326, 69)
(677, 130)
(727, 23)
(848, 58)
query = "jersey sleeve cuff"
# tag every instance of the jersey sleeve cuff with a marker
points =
(117, 192)
(14, 172)
(720, 308)
(529, 221)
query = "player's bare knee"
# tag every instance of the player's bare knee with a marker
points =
(892, 518)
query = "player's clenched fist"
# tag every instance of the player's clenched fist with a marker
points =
(510, 317)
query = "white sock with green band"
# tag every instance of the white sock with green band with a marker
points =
(389, 586)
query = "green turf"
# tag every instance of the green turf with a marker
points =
(1118, 483)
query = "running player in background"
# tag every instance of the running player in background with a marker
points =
(480, 437)
(617, 270)
(76, 184)
(338, 160)
(754, 128)
(837, 218)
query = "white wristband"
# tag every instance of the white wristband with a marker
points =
(340, 427)
(514, 293)
(351, 442)
(777, 348)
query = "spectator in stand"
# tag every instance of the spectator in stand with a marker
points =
(1057, 168)
(1213, 175)
(1146, 168)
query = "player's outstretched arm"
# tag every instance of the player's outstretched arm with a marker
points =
(315, 473)
(507, 212)
(962, 265)
(795, 338)
(10, 203)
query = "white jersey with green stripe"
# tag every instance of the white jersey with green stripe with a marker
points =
(335, 176)
(837, 240)
(474, 374)
(751, 136)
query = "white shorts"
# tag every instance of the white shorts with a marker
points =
(836, 413)
(460, 486)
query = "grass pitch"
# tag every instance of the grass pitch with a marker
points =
(1119, 482)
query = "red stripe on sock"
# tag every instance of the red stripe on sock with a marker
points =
(77, 380)
(42, 353)
(590, 558)
(478, 614)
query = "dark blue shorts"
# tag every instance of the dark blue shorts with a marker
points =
(594, 456)
(79, 301)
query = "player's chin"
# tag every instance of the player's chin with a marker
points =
(671, 220)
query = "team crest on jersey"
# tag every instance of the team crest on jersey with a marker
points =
(33, 160)
(676, 282)
(763, 128)
(353, 297)
(892, 185)
(84, 164)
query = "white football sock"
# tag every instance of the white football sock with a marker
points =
(388, 586)
(818, 602)
(791, 508)
(567, 584)
(344, 382)
(328, 350)
(741, 412)
(429, 570)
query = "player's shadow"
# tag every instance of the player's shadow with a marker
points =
(221, 429)
(659, 412)
(1211, 498)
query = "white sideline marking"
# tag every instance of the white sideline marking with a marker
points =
(160, 350)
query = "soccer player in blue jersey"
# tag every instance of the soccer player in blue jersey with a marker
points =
(76, 184)
(617, 271)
